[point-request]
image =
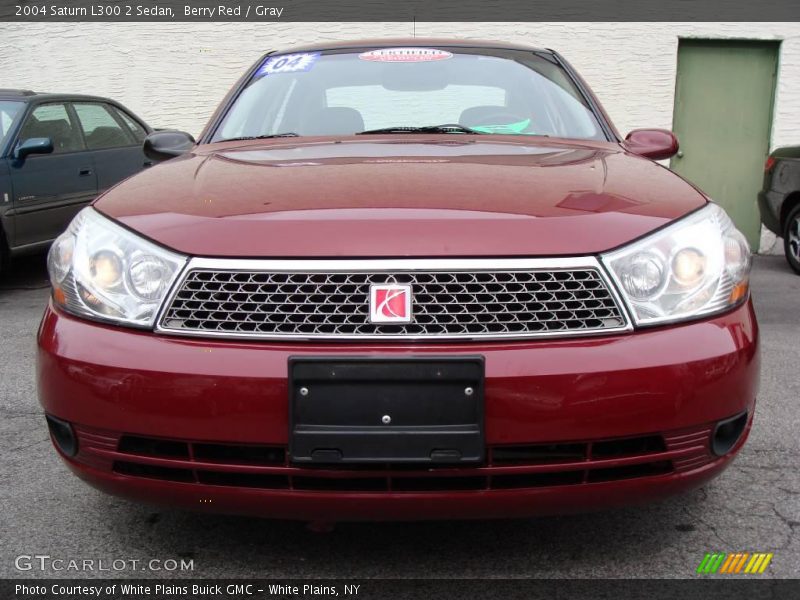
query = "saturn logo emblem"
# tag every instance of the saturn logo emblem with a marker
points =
(390, 303)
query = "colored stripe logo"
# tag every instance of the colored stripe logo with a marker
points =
(737, 562)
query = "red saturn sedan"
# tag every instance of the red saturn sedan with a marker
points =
(401, 280)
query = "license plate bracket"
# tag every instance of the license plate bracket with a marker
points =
(425, 410)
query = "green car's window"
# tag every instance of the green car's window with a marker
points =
(54, 122)
(135, 128)
(8, 112)
(100, 129)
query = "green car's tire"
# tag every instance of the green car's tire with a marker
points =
(791, 239)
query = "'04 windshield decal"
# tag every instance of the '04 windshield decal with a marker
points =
(288, 63)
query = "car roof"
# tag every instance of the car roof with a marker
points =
(31, 96)
(8, 94)
(413, 42)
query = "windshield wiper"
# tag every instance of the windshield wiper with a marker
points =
(446, 128)
(260, 137)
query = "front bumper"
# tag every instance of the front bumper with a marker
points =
(618, 393)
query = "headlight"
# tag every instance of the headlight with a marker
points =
(103, 271)
(697, 266)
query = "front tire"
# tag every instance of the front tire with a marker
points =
(791, 239)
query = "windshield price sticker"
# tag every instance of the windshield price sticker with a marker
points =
(405, 55)
(288, 63)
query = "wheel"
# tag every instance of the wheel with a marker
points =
(791, 239)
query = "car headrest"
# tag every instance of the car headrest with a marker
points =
(106, 137)
(477, 115)
(337, 120)
(60, 133)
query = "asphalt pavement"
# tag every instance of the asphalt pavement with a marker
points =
(753, 506)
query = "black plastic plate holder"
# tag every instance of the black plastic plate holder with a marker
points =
(425, 410)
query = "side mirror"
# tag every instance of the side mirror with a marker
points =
(657, 144)
(163, 145)
(41, 145)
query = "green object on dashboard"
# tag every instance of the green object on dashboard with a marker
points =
(506, 128)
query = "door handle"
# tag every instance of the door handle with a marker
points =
(84, 172)
(147, 163)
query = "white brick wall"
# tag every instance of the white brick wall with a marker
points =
(174, 74)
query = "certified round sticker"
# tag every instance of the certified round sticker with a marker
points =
(405, 55)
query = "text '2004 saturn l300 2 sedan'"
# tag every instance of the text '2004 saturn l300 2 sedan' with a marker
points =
(396, 281)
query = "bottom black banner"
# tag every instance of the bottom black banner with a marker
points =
(370, 589)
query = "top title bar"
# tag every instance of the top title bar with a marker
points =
(398, 10)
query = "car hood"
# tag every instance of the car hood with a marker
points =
(396, 197)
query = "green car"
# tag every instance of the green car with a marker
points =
(58, 153)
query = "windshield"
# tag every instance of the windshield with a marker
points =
(337, 93)
(8, 110)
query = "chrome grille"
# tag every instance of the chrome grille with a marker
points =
(272, 300)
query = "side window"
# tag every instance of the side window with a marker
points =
(8, 112)
(100, 128)
(53, 121)
(135, 128)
